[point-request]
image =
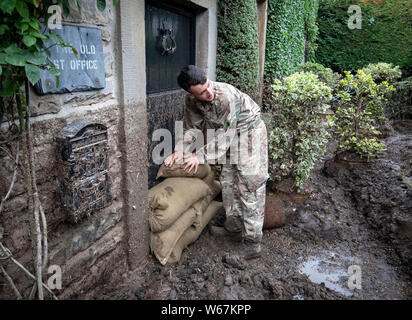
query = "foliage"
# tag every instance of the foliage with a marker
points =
(298, 137)
(385, 34)
(399, 105)
(359, 113)
(290, 23)
(326, 75)
(237, 59)
(382, 71)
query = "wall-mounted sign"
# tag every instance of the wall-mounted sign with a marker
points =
(77, 74)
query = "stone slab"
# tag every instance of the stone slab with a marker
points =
(85, 73)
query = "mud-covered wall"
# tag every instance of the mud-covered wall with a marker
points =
(89, 253)
(104, 247)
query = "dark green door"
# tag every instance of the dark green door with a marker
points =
(170, 45)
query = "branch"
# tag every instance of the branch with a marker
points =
(9, 256)
(13, 179)
(13, 286)
(11, 138)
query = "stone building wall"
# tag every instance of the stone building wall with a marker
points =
(101, 248)
(82, 250)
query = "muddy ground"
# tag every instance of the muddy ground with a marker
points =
(356, 214)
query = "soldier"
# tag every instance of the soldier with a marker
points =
(220, 106)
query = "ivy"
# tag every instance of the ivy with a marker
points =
(386, 35)
(291, 23)
(237, 59)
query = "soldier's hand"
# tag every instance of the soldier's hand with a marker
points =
(174, 157)
(192, 162)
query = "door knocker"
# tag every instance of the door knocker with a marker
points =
(168, 41)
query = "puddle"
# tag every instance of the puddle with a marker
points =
(331, 269)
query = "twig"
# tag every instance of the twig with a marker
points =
(11, 139)
(13, 286)
(13, 179)
(36, 200)
(45, 245)
(39, 270)
(7, 251)
(33, 291)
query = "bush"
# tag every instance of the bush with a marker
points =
(399, 105)
(382, 71)
(298, 137)
(326, 75)
(359, 113)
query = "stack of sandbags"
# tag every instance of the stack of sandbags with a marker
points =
(179, 208)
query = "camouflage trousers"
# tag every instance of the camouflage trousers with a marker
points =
(244, 186)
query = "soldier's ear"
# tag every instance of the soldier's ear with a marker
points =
(190, 95)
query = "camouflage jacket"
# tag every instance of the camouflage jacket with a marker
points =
(230, 109)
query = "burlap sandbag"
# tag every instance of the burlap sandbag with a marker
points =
(192, 233)
(170, 198)
(177, 171)
(162, 243)
(212, 180)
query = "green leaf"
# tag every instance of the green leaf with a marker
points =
(36, 58)
(76, 2)
(9, 88)
(24, 27)
(34, 24)
(7, 6)
(22, 9)
(53, 37)
(101, 4)
(32, 73)
(3, 29)
(38, 35)
(115, 2)
(1, 70)
(29, 40)
(54, 71)
(16, 59)
(13, 49)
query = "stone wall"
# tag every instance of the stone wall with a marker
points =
(103, 247)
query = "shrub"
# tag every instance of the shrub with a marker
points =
(359, 113)
(399, 105)
(382, 71)
(298, 137)
(326, 75)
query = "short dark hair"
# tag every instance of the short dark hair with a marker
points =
(191, 76)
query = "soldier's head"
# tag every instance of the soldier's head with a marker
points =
(194, 81)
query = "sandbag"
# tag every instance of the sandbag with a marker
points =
(192, 233)
(162, 243)
(201, 207)
(212, 180)
(170, 198)
(176, 170)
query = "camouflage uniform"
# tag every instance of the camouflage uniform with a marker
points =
(244, 182)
